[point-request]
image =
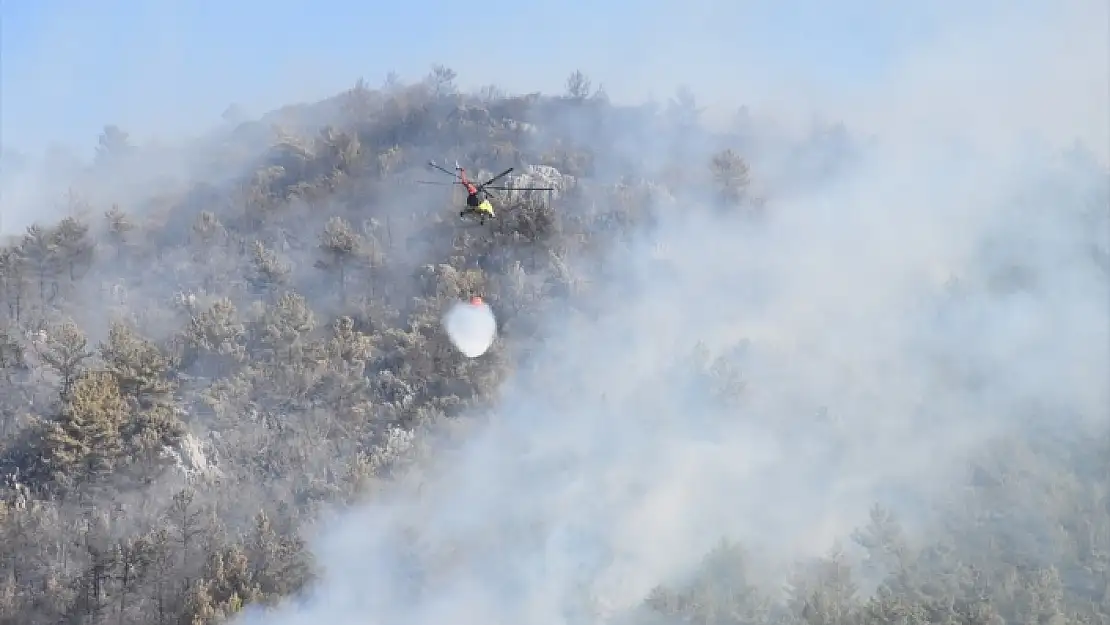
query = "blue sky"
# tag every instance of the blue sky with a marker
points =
(71, 66)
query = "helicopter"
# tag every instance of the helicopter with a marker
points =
(477, 195)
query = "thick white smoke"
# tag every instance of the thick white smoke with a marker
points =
(876, 333)
(872, 351)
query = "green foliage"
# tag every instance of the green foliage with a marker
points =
(84, 443)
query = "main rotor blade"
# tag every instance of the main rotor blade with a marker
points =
(449, 173)
(498, 176)
(523, 188)
(438, 183)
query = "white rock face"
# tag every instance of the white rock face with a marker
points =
(191, 459)
(545, 176)
(537, 176)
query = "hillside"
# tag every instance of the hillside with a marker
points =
(224, 383)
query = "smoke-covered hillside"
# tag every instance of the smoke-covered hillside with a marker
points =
(743, 376)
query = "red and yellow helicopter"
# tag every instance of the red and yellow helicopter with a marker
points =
(477, 195)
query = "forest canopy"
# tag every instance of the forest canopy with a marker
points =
(220, 350)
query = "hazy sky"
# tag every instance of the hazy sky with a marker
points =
(70, 66)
